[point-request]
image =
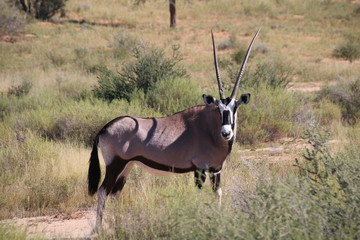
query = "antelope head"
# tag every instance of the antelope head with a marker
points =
(228, 105)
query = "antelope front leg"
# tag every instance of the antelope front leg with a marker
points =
(200, 177)
(215, 183)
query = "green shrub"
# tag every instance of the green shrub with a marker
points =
(272, 72)
(149, 67)
(20, 90)
(112, 86)
(347, 97)
(349, 49)
(327, 112)
(66, 117)
(272, 114)
(174, 95)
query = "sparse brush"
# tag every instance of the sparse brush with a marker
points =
(11, 233)
(349, 49)
(347, 97)
(20, 90)
(112, 86)
(11, 21)
(273, 72)
(150, 66)
(174, 95)
(123, 44)
(263, 120)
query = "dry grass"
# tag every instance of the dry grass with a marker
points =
(57, 57)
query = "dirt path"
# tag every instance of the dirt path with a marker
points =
(78, 225)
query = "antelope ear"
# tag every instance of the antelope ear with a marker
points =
(244, 99)
(209, 100)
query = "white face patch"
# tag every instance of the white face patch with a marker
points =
(227, 132)
(227, 118)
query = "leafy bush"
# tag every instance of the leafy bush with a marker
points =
(264, 120)
(347, 97)
(149, 67)
(21, 89)
(11, 22)
(349, 49)
(112, 86)
(174, 95)
(273, 72)
(327, 112)
(56, 116)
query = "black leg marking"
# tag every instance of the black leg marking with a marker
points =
(112, 172)
(119, 185)
(200, 178)
(215, 181)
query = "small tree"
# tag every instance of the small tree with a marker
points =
(42, 9)
(172, 5)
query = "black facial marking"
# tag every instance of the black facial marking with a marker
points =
(226, 118)
(226, 101)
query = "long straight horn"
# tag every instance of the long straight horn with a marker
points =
(221, 90)
(235, 90)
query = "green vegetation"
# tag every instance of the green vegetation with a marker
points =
(349, 49)
(150, 66)
(9, 232)
(61, 81)
(11, 21)
(346, 95)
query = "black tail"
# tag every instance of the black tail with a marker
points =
(94, 172)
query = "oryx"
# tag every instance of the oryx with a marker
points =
(197, 139)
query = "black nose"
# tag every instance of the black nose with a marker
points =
(225, 134)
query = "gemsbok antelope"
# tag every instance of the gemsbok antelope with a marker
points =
(197, 139)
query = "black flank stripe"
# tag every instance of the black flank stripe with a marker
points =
(162, 167)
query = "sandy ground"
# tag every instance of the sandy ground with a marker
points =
(78, 225)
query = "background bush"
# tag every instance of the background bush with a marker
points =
(349, 49)
(112, 86)
(174, 95)
(262, 121)
(149, 67)
(11, 21)
(273, 72)
(42, 9)
(346, 95)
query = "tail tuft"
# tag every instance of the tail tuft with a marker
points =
(94, 172)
